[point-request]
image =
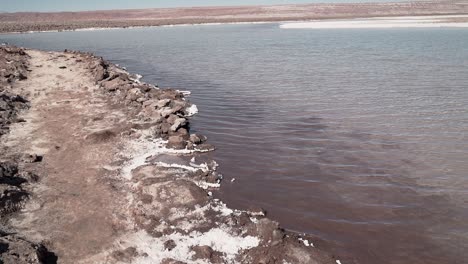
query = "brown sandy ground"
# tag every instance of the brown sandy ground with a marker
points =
(24, 21)
(16, 170)
(119, 180)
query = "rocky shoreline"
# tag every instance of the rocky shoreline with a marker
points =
(106, 171)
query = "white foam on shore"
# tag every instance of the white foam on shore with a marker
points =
(381, 22)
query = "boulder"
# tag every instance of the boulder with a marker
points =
(166, 112)
(202, 252)
(163, 103)
(112, 85)
(171, 94)
(176, 142)
(182, 132)
(115, 83)
(100, 74)
(197, 139)
(178, 123)
(133, 94)
(169, 245)
(165, 128)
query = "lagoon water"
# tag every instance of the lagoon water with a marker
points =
(355, 136)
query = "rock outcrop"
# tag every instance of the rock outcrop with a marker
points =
(164, 109)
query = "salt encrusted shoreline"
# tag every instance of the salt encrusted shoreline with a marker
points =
(166, 211)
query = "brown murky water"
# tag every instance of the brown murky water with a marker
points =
(356, 136)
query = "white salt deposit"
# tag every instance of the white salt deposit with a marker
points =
(380, 22)
(185, 93)
(136, 78)
(306, 242)
(176, 166)
(192, 110)
(207, 185)
(217, 238)
(139, 151)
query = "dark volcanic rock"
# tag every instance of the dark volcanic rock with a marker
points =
(31, 158)
(12, 193)
(16, 250)
(12, 198)
(13, 64)
(13, 67)
(8, 169)
(10, 105)
(170, 245)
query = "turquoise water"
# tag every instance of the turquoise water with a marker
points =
(358, 137)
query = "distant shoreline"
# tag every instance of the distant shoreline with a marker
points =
(137, 18)
(288, 24)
